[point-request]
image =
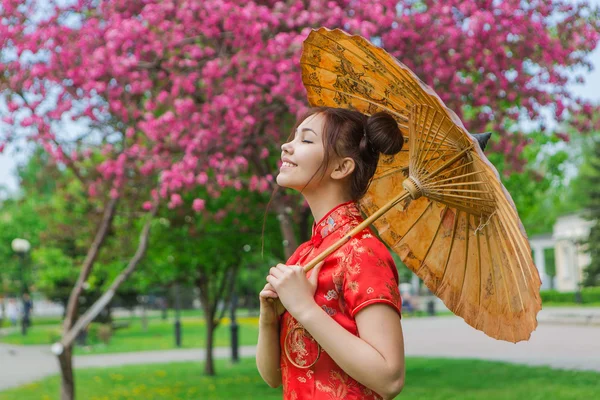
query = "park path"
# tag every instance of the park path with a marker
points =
(565, 338)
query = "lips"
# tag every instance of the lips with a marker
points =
(287, 163)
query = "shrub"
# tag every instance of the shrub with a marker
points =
(588, 295)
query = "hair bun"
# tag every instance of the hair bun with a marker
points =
(384, 134)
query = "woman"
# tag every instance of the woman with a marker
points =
(339, 336)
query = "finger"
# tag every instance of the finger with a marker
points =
(275, 272)
(314, 275)
(283, 268)
(268, 294)
(273, 281)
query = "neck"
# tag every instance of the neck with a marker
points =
(321, 203)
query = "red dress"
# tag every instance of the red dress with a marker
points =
(360, 273)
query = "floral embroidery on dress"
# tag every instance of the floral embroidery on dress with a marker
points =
(353, 286)
(330, 311)
(331, 295)
(300, 345)
(337, 387)
(370, 290)
(394, 293)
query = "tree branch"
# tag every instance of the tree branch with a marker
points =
(90, 259)
(103, 301)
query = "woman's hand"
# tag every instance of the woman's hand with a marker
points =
(270, 306)
(295, 291)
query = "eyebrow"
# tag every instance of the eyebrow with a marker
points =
(308, 129)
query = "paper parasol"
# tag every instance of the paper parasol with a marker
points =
(439, 203)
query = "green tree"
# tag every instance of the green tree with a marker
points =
(591, 176)
(209, 248)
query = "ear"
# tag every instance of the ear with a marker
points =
(343, 168)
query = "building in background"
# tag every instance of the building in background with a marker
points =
(561, 256)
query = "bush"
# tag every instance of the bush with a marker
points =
(588, 295)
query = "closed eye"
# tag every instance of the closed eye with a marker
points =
(306, 141)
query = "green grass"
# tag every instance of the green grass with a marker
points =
(430, 379)
(159, 336)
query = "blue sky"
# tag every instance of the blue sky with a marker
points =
(590, 90)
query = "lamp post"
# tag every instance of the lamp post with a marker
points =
(177, 315)
(21, 247)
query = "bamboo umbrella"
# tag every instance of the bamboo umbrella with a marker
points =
(439, 203)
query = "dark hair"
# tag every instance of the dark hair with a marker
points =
(348, 133)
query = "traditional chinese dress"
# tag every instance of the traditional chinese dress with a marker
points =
(360, 273)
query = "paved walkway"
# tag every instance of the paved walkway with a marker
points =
(571, 343)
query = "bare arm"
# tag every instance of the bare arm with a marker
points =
(267, 354)
(377, 356)
(268, 349)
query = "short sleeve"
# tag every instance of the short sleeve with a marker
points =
(370, 277)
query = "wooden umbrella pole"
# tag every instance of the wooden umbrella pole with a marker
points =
(403, 195)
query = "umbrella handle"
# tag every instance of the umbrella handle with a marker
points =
(402, 196)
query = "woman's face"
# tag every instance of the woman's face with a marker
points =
(305, 153)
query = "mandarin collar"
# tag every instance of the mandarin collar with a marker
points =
(334, 219)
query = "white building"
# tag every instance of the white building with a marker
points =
(569, 254)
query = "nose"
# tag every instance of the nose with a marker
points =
(286, 147)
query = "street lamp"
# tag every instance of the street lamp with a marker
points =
(22, 247)
(177, 315)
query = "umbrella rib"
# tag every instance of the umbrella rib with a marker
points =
(428, 129)
(518, 249)
(446, 208)
(457, 196)
(456, 217)
(413, 224)
(500, 252)
(389, 172)
(516, 231)
(461, 184)
(466, 257)
(442, 141)
(492, 273)
(478, 246)
(459, 176)
(462, 207)
(458, 191)
(509, 259)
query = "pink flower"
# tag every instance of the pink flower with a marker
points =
(198, 205)
(175, 201)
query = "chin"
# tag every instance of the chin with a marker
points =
(284, 183)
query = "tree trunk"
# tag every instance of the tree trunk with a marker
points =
(67, 387)
(209, 366)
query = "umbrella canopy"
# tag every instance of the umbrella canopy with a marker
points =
(439, 203)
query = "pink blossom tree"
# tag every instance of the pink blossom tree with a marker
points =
(201, 93)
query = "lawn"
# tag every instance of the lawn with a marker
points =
(158, 336)
(431, 379)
